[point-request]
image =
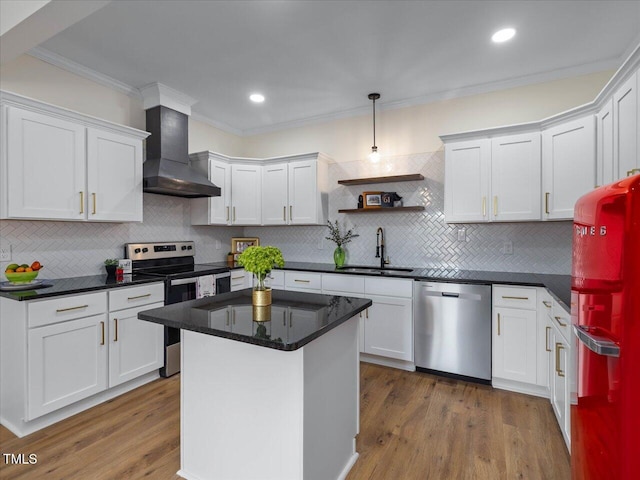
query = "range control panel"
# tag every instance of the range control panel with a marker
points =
(149, 251)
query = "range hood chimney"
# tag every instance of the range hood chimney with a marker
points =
(166, 170)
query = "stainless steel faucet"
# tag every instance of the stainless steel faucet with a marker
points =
(380, 247)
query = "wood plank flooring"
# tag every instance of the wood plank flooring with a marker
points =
(413, 426)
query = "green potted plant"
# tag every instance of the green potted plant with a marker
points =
(336, 236)
(260, 261)
(110, 265)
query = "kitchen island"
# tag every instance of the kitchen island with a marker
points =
(271, 399)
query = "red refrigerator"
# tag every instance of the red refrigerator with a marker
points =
(605, 313)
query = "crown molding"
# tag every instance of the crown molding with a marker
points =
(157, 93)
(214, 123)
(82, 71)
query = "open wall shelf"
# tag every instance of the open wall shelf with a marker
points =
(394, 178)
(415, 208)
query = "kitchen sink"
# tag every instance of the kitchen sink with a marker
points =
(374, 270)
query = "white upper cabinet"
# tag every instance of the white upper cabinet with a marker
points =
(493, 180)
(246, 183)
(568, 166)
(62, 165)
(275, 194)
(289, 190)
(515, 177)
(114, 177)
(604, 142)
(466, 176)
(626, 134)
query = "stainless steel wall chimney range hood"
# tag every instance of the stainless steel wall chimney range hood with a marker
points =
(166, 170)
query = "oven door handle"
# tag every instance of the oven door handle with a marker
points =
(183, 281)
(596, 343)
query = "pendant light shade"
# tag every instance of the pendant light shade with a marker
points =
(374, 156)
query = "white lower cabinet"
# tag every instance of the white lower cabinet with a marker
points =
(135, 346)
(67, 362)
(559, 374)
(62, 355)
(241, 279)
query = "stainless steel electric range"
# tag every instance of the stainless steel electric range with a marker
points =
(174, 263)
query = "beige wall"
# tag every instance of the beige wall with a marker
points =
(416, 129)
(34, 78)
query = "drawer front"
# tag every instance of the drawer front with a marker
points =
(302, 280)
(514, 297)
(275, 279)
(343, 283)
(562, 320)
(120, 298)
(61, 309)
(239, 279)
(389, 287)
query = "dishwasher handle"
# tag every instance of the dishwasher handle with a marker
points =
(449, 294)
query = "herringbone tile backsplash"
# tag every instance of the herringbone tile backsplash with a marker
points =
(421, 239)
(417, 239)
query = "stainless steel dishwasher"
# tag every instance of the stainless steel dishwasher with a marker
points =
(452, 325)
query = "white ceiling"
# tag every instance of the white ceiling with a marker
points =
(316, 60)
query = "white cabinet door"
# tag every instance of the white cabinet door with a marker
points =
(136, 346)
(514, 344)
(568, 166)
(544, 336)
(388, 327)
(303, 198)
(220, 207)
(515, 177)
(46, 167)
(560, 384)
(66, 362)
(114, 177)
(625, 124)
(246, 194)
(467, 170)
(240, 279)
(275, 200)
(605, 172)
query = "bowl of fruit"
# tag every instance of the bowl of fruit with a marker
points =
(18, 274)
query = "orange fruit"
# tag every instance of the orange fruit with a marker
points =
(28, 269)
(19, 269)
(8, 270)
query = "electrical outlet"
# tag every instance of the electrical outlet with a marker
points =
(507, 247)
(462, 234)
(5, 253)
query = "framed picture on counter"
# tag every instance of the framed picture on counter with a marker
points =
(239, 245)
(372, 199)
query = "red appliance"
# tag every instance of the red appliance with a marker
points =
(605, 313)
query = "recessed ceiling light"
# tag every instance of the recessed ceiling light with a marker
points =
(503, 35)
(256, 97)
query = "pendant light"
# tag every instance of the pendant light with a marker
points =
(374, 156)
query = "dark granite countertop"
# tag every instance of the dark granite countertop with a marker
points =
(296, 318)
(558, 285)
(66, 286)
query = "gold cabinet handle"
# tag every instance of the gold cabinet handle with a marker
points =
(558, 369)
(115, 339)
(558, 320)
(227, 214)
(233, 317)
(546, 338)
(366, 313)
(302, 281)
(633, 171)
(546, 203)
(290, 319)
(234, 214)
(93, 196)
(546, 304)
(498, 324)
(290, 212)
(81, 202)
(495, 206)
(237, 278)
(227, 321)
(102, 327)
(60, 310)
(515, 298)
(484, 206)
(284, 213)
(139, 296)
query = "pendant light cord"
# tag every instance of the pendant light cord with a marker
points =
(374, 121)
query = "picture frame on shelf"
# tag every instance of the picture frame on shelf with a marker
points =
(240, 244)
(372, 199)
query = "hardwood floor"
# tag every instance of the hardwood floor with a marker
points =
(413, 426)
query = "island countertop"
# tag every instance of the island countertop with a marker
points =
(295, 318)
